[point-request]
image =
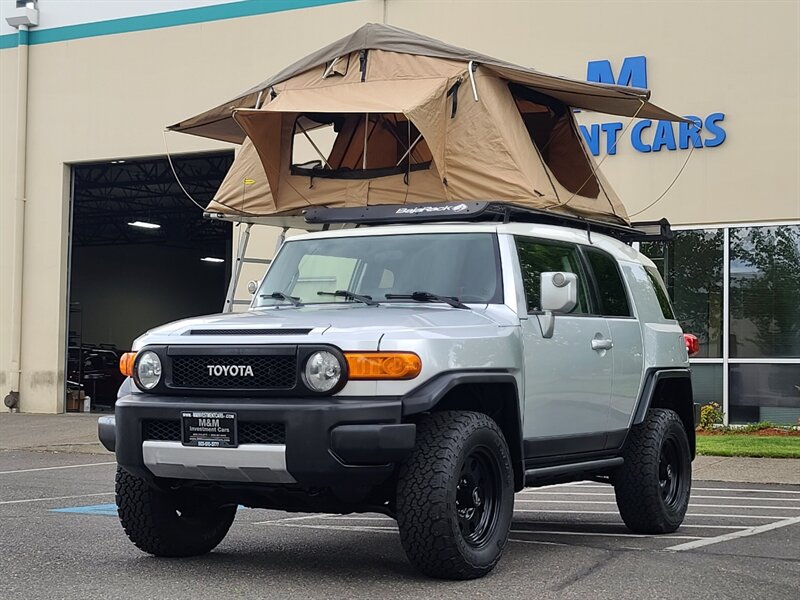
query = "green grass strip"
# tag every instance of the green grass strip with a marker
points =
(749, 445)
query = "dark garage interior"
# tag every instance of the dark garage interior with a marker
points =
(141, 255)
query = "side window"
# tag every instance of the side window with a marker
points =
(661, 293)
(537, 257)
(613, 299)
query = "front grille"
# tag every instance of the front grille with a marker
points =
(269, 372)
(250, 432)
(163, 430)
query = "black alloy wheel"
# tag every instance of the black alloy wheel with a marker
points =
(669, 473)
(478, 491)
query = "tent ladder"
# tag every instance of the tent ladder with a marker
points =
(241, 259)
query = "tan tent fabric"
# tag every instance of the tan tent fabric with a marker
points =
(408, 129)
(217, 123)
(372, 97)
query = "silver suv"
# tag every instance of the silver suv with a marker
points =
(426, 369)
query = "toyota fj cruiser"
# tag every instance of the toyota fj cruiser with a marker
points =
(426, 369)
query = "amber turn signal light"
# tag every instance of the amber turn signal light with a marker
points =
(383, 365)
(126, 363)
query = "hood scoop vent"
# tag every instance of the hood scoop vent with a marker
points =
(249, 331)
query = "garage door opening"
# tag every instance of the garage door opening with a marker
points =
(141, 255)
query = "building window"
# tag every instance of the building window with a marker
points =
(759, 362)
(692, 268)
(707, 383)
(764, 392)
(765, 292)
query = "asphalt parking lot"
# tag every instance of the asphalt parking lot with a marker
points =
(60, 538)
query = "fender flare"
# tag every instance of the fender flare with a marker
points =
(652, 379)
(427, 395)
(425, 398)
(687, 409)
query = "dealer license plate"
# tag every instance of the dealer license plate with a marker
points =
(208, 429)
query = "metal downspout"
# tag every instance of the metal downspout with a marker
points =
(19, 209)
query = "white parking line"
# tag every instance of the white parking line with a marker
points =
(592, 523)
(701, 489)
(696, 505)
(25, 501)
(614, 512)
(735, 535)
(694, 496)
(748, 490)
(56, 468)
(537, 542)
(339, 527)
(274, 521)
(608, 534)
(356, 518)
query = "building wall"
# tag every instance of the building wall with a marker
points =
(110, 96)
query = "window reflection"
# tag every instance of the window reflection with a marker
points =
(765, 292)
(764, 392)
(692, 268)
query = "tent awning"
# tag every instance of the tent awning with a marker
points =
(390, 96)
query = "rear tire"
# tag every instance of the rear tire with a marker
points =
(455, 496)
(157, 523)
(654, 483)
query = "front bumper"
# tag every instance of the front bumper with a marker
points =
(329, 442)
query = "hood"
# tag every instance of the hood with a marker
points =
(312, 323)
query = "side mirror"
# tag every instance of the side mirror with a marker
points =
(558, 293)
(252, 286)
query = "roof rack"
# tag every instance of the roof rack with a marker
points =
(483, 211)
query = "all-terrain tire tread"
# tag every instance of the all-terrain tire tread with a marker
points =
(140, 508)
(423, 510)
(638, 499)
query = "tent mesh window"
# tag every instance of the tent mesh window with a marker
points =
(393, 145)
(552, 133)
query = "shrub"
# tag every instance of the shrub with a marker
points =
(711, 415)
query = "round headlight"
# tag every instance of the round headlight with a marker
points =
(323, 371)
(148, 370)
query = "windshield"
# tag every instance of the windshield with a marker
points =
(461, 265)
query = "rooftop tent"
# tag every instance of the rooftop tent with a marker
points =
(413, 120)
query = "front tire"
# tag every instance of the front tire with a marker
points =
(455, 496)
(158, 523)
(654, 483)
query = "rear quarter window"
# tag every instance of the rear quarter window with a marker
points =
(661, 292)
(611, 292)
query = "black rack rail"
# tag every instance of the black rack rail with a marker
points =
(481, 212)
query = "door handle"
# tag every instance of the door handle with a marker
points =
(602, 344)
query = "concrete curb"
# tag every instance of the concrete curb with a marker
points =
(737, 469)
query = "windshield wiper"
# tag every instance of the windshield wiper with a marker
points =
(428, 297)
(281, 296)
(350, 296)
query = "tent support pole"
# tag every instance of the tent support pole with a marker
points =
(366, 135)
(410, 148)
(281, 239)
(471, 69)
